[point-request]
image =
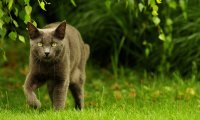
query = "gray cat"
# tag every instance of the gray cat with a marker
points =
(58, 57)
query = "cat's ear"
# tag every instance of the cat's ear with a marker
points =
(33, 31)
(60, 30)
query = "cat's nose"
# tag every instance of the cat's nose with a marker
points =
(46, 53)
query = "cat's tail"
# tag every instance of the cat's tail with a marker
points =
(86, 51)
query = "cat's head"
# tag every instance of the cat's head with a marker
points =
(47, 44)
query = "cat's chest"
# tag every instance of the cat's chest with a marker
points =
(50, 70)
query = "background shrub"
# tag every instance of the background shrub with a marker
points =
(153, 35)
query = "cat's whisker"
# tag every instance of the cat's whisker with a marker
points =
(54, 73)
(37, 60)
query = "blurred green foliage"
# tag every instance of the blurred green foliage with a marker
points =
(13, 16)
(150, 35)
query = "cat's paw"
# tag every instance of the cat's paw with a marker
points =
(34, 103)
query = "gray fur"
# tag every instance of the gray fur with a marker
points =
(61, 66)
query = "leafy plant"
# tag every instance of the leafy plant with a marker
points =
(141, 34)
(13, 17)
(146, 27)
(186, 53)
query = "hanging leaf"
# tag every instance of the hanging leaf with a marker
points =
(141, 7)
(1, 23)
(26, 2)
(151, 2)
(34, 23)
(1, 13)
(162, 36)
(147, 51)
(3, 32)
(22, 14)
(154, 13)
(10, 4)
(4, 56)
(172, 4)
(156, 20)
(159, 1)
(21, 38)
(28, 9)
(7, 19)
(27, 18)
(12, 35)
(169, 21)
(16, 11)
(155, 10)
(73, 3)
(183, 6)
(15, 23)
(108, 4)
(42, 5)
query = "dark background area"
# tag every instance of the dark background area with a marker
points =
(121, 34)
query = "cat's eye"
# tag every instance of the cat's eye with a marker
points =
(40, 44)
(53, 44)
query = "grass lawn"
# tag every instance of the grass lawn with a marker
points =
(132, 96)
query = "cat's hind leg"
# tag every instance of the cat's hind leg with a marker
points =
(78, 77)
(77, 89)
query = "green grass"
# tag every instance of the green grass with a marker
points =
(162, 111)
(133, 95)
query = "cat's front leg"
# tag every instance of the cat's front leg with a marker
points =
(30, 85)
(59, 94)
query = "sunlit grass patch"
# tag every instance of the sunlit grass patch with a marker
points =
(132, 96)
